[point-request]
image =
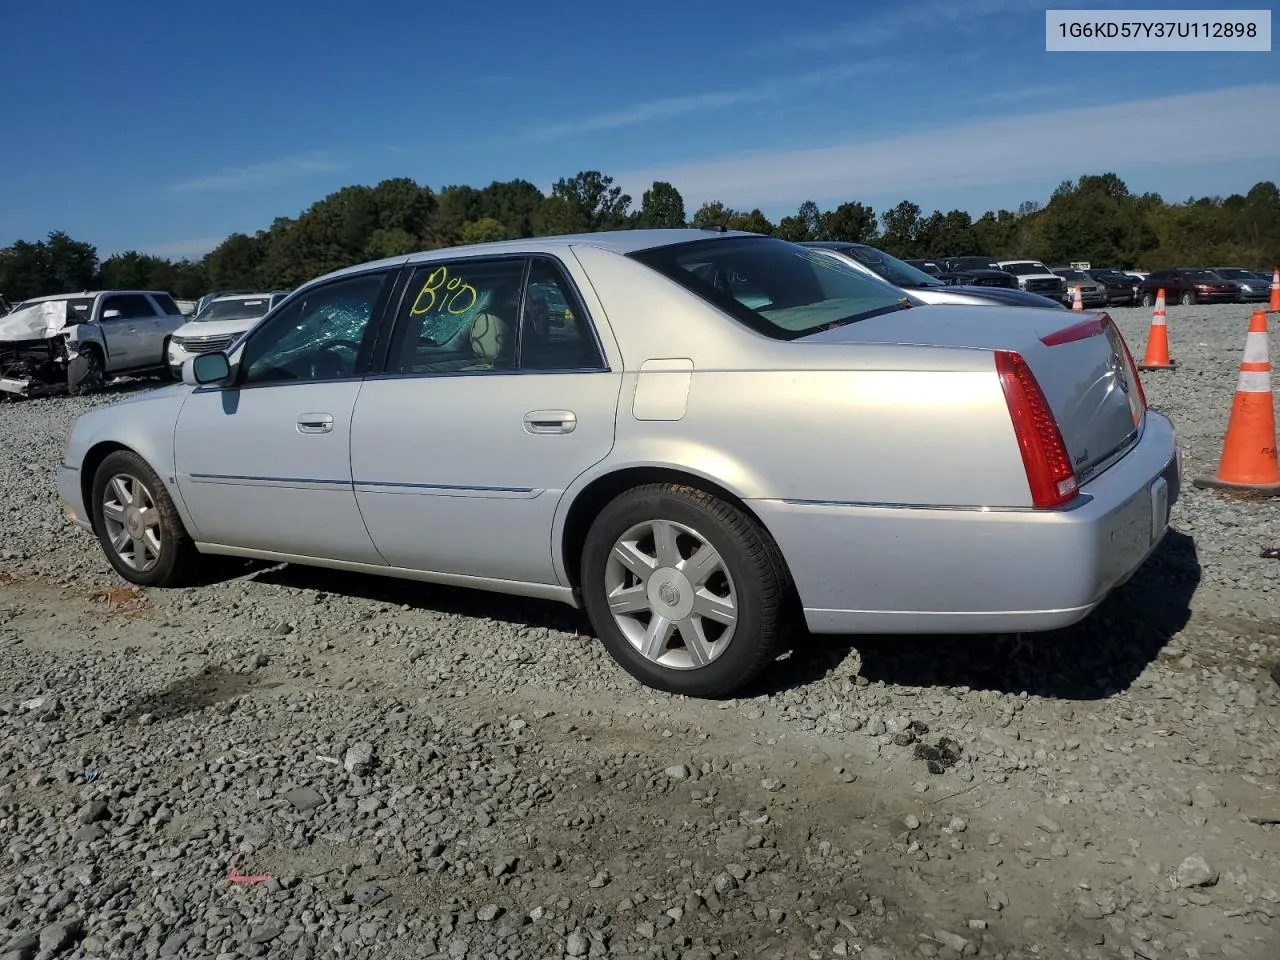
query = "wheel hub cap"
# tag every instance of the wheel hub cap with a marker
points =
(670, 593)
(133, 522)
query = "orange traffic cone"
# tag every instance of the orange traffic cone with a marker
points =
(1157, 356)
(1249, 449)
(1077, 301)
(1274, 305)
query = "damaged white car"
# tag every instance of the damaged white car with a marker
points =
(76, 342)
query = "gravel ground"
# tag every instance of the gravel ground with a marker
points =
(292, 763)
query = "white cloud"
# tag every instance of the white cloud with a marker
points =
(177, 249)
(257, 175)
(777, 89)
(1059, 143)
(903, 19)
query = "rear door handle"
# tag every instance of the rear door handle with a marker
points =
(315, 423)
(550, 421)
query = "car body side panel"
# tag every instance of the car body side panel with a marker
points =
(862, 568)
(143, 423)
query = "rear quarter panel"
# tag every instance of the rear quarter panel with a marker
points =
(848, 423)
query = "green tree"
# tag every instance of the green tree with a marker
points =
(851, 222)
(233, 264)
(712, 211)
(484, 230)
(752, 222)
(901, 233)
(662, 206)
(513, 203)
(586, 202)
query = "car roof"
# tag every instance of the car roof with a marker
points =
(617, 241)
(227, 298)
(89, 293)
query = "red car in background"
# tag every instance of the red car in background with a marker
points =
(1187, 286)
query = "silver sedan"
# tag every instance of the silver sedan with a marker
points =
(705, 438)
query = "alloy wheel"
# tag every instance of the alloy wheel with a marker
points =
(671, 594)
(133, 523)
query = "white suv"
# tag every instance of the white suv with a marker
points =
(1034, 277)
(222, 321)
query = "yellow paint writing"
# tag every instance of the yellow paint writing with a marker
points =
(444, 294)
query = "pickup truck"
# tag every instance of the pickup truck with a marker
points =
(77, 341)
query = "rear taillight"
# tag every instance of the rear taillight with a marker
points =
(1044, 453)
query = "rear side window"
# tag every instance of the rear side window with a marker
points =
(166, 303)
(778, 289)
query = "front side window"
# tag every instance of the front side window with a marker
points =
(132, 306)
(779, 289)
(323, 335)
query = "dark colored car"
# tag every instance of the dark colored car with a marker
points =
(974, 272)
(1255, 287)
(1188, 286)
(1122, 288)
(1093, 293)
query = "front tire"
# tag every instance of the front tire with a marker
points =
(1148, 298)
(687, 592)
(1188, 298)
(85, 373)
(138, 525)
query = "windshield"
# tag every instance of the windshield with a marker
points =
(898, 272)
(233, 309)
(1205, 276)
(1235, 273)
(1074, 275)
(1024, 267)
(779, 289)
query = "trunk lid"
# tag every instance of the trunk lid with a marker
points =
(1080, 361)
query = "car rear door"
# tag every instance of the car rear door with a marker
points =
(265, 464)
(484, 414)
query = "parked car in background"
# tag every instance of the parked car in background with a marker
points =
(77, 341)
(920, 285)
(213, 295)
(1122, 287)
(220, 324)
(1034, 277)
(5, 307)
(188, 307)
(1187, 287)
(1093, 293)
(975, 272)
(1254, 287)
(419, 417)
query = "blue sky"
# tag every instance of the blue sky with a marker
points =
(166, 126)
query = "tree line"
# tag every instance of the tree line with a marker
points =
(1094, 218)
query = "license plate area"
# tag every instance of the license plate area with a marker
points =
(1159, 508)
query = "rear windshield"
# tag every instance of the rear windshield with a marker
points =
(973, 263)
(779, 289)
(234, 309)
(1024, 267)
(898, 272)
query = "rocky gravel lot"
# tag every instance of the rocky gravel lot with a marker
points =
(292, 763)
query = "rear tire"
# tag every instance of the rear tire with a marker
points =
(1188, 298)
(85, 373)
(138, 525)
(1148, 299)
(701, 595)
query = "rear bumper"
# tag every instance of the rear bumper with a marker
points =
(882, 569)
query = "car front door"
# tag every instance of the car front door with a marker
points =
(264, 463)
(126, 320)
(485, 412)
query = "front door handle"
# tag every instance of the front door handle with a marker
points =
(315, 423)
(550, 421)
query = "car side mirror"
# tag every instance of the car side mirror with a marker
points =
(111, 314)
(206, 369)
